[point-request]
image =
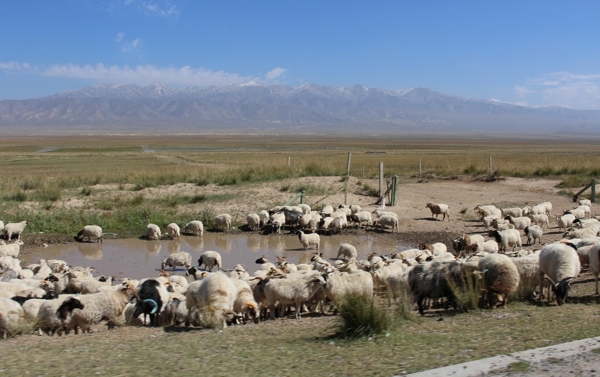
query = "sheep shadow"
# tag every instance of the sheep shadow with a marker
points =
(427, 219)
(81, 240)
(181, 329)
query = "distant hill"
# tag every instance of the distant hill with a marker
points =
(307, 108)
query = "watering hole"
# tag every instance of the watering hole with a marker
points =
(138, 258)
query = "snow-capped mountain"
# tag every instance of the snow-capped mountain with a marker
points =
(309, 107)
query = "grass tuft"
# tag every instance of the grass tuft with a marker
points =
(362, 317)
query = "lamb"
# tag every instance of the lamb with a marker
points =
(565, 221)
(439, 209)
(152, 232)
(253, 221)
(195, 227)
(559, 263)
(173, 231)
(107, 305)
(290, 291)
(90, 231)
(11, 317)
(210, 259)
(223, 221)
(501, 278)
(519, 222)
(11, 229)
(506, 238)
(216, 292)
(347, 251)
(384, 221)
(177, 259)
(12, 249)
(514, 211)
(151, 298)
(534, 232)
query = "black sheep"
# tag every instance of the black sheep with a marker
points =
(148, 301)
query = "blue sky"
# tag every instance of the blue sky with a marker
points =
(535, 53)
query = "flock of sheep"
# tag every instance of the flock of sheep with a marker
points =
(54, 297)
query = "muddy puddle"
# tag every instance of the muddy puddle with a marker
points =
(137, 258)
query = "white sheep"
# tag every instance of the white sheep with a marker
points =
(435, 248)
(327, 210)
(290, 291)
(565, 221)
(384, 221)
(500, 224)
(11, 250)
(535, 210)
(152, 232)
(309, 239)
(339, 284)
(490, 212)
(347, 251)
(210, 259)
(90, 231)
(216, 292)
(520, 223)
(547, 206)
(264, 217)
(173, 231)
(223, 221)
(177, 259)
(195, 227)
(578, 212)
(12, 317)
(514, 211)
(439, 209)
(101, 306)
(253, 221)
(277, 221)
(361, 217)
(501, 278)
(594, 258)
(585, 202)
(489, 221)
(534, 232)
(540, 220)
(560, 263)
(11, 229)
(507, 238)
(394, 277)
(305, 208)
(380, 213)
(245, 305)
(337, 224)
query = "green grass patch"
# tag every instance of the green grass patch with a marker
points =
(519, 367)
(362, 317)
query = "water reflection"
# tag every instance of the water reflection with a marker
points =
(92, 251)
(137, 258)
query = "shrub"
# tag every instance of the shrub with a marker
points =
(466, 289)
(360, 316)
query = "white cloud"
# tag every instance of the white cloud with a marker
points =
(275, 73)
(141, 75)
(119, 37)
(131, 45)
(154, 8)
(565, 89)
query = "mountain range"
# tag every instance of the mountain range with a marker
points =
(308, 108)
